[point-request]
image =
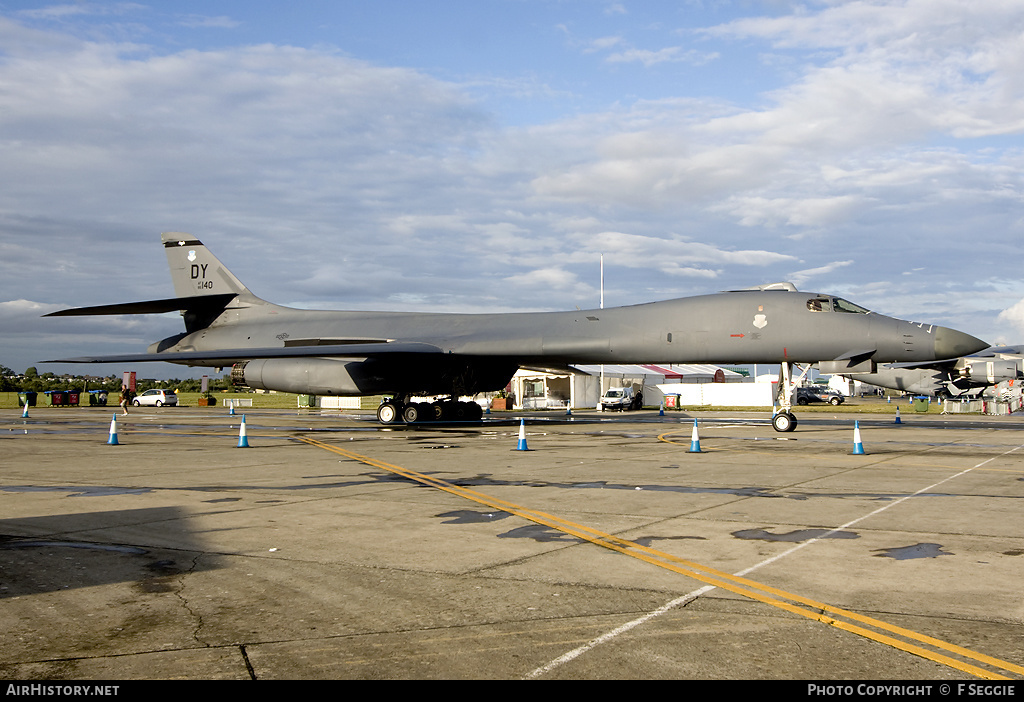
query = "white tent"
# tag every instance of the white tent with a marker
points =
(535, 389)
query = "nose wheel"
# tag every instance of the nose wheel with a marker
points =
(784, 421)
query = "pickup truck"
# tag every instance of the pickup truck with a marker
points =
(805, 396)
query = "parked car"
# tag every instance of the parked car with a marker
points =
(805, 396)
(622, 399)
(157, 398)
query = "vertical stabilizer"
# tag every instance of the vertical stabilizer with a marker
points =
(194, 270)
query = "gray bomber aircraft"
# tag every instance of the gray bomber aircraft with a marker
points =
(402, 354)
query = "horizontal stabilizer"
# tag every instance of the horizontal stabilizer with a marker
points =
(229, 356)
(172, 304)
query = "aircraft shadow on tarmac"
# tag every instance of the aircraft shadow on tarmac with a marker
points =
(67, 551)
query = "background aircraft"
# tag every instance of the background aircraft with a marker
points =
(968, 375)
(402, 354)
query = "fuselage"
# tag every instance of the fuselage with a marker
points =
(733, 327)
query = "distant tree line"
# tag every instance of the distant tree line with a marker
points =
(42, 382)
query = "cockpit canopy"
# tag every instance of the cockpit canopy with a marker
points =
(826, 303)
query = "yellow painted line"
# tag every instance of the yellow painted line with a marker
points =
(742, 586)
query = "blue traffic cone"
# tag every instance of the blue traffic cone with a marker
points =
(231, 404)
(243, 440)
(24, 415)
(898, 416)
(522, 436)
(112, 440)
(858, 445)
(568, 410)
(661, 410)
(694, 439)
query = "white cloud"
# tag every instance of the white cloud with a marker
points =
(1014, 316)
(602, 43)
(670, 54)
(812, 213)
(947, 65)
(282, 145)
(674, 256)
(20, 314)
(79, 9)
(206, 22)
(799, 278)
(903, 73)
(554, 277)
(327, 181)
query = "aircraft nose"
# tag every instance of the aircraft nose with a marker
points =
(950, 343)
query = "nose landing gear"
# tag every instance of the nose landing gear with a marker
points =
(784, 420)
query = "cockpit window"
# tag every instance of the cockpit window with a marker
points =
(842, 305)
(834, 304)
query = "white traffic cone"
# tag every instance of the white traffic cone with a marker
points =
(24, 414)
(898, 415)
(231, 405)
(522, 436)
(694, 439)
(243, 439)
(858, 445)
(112, 439)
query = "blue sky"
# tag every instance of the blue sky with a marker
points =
(482, 156)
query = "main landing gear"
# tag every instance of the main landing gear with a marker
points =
(396, 409)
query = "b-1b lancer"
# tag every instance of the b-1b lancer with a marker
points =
(406, 354)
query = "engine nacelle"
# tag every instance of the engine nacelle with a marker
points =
(308, 376)
(426, 374)
(990, 371)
